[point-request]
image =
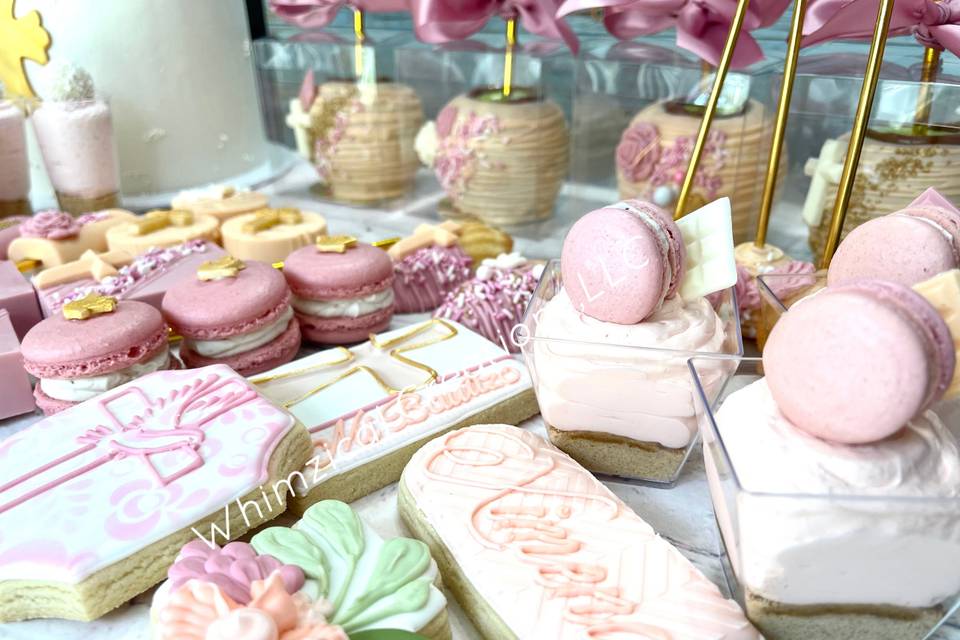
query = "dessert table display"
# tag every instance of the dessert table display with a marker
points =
(473, 357)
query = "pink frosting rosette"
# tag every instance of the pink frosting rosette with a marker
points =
(52, 225)
(234, 568)
(638, 151)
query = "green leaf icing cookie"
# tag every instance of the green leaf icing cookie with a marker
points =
(370, 583)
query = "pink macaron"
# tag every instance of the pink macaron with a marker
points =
(76, 360)
(620, 263)
(907, 247)
(341, 298)
(244, 320)
(855, 363)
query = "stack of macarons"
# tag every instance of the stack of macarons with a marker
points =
(94, 345)
(235, 313)
(342, 288)
(855, 363)
(907, 246)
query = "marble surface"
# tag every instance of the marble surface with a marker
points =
(683, 514)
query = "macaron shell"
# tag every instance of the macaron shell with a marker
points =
(279, 351)
(678, 249)
(946, 219)
(212, 309)
(358, 271)
(897, 248)
(61, 348)
(344, 330)
(613, 266)
(848, 367)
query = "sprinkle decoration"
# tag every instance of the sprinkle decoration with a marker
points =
(89, 306)
(225, 267)
(335, 244)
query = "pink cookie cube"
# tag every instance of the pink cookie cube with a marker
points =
(17, 397)
(18, 297)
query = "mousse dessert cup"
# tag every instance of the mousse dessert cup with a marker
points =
(14, 167)
(826, 563)
(74, 129)
(618, 398)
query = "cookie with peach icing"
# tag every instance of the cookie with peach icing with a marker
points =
(533, 546)
(325, 577)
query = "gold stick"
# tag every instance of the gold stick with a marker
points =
(711, 108)
(508, 56)
(780, 126)
(931, 62)
(360, 35)
(867, 92)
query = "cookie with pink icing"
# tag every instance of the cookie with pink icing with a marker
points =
(54, 237)
(428, 265)
(326, 576)
(96, 500)
(539, 548)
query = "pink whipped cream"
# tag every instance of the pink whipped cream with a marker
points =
(14, 168)
(76, 140)
(619, 379)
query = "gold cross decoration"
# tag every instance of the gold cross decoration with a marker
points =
(154, 221)
(335, 244)
(88, 306)
(445, 234)
(225, 267)
(268, 218)
(394, 349)
(23, 38)
(89, 265)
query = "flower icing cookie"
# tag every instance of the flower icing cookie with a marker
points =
(370, 407)
(325, 577)
(533, 546)
(53, 237)
(96, 501)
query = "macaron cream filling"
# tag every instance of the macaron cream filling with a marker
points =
(243, 342)
(81, 389)
(346, 307)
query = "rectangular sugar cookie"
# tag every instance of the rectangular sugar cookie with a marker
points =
(533, 546)
(370, 407)
(96, 501)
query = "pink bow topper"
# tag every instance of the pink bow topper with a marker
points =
(933, 24)
(316, 14)
(438, 21)
(702, 25)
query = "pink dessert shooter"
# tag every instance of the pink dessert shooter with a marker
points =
(14, 168)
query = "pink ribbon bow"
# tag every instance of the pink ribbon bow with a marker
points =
(315, 14)
(702, 25)
(438, 21)
(933, 24)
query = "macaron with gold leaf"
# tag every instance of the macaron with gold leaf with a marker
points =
(233, 312)
(342, 289)
(92, 346)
